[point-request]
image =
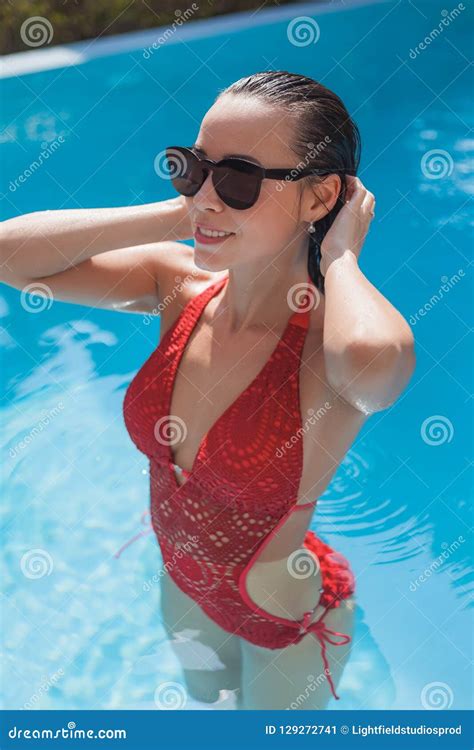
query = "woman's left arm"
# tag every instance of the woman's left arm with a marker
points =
(368, 345)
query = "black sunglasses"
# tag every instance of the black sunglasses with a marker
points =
(237, 182)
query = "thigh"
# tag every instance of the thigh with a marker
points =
(210, 657)
(294, 677)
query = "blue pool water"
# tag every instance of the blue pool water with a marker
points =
(81, 626)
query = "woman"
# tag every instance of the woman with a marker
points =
(274, 350)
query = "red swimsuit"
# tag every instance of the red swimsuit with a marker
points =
(241, 491)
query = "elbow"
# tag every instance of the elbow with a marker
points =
(5, 242)
(15, 252)
(372, 376)
(7, 252)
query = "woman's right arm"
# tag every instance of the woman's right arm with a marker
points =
(103, 257)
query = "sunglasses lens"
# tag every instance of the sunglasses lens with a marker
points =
(236, 188)
(184, 171)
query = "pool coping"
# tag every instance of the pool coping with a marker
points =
(75, 53)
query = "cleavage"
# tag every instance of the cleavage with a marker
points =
(211, 377)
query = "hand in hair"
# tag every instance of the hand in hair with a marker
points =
(350, 226)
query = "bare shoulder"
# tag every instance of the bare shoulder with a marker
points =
(176, 275)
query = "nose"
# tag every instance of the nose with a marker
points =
(206, 197)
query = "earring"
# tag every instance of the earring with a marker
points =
(311, 228)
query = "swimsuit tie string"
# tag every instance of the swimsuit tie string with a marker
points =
(323, 634)
(147, 523)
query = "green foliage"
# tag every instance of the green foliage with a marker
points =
(74, 20)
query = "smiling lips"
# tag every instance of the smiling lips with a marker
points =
(208, 236)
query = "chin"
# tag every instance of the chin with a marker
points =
(209, 260)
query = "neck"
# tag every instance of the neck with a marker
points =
(261, 294)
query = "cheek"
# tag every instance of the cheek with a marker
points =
(277, 210)
(266, 227)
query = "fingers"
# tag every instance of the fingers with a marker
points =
(358, 195)
(368, 204)
(355, 192)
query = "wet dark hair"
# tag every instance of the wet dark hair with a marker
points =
(325, 137)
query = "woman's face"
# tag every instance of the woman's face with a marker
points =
(246, 127)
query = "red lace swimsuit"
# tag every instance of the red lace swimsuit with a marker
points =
(241, 493)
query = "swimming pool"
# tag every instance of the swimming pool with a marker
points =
(81, 627)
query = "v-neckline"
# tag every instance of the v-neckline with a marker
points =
(216, 288)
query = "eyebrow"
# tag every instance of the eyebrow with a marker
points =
(229, 156)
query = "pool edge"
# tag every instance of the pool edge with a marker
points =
(76, 53)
